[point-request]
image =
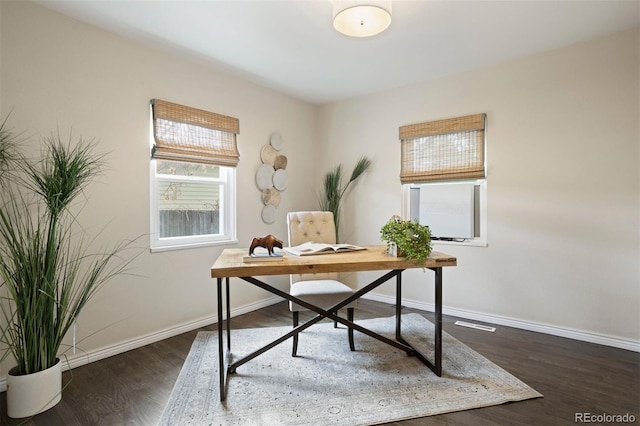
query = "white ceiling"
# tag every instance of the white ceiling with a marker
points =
(291, 46)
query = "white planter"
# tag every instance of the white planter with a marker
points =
(395, 251)
(33, 393)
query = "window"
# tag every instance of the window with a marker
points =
(444, 150)
(443, 171)
(193, 161)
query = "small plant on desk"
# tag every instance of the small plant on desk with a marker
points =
(407, 238)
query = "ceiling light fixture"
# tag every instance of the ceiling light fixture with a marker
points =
(361, 18)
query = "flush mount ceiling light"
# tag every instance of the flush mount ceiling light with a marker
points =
(361, 18)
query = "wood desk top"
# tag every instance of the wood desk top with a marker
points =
(374, 258)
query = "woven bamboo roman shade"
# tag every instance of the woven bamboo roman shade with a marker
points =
(450, 149)
(183, 133)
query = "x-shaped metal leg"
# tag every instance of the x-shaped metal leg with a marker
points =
(399, 343)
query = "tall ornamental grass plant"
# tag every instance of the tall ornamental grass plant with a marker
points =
(333, 189)
(47, 273)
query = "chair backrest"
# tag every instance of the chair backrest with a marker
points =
(315, 226)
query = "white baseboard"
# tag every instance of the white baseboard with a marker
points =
(82, 358)
(616, 342)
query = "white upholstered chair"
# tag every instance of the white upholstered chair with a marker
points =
(323, 290)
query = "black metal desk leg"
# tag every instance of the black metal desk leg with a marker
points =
(228, 315)
(436, 365)
(221, 365)
(438, 320)
(398, 307)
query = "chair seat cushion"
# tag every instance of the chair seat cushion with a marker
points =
(322, 293)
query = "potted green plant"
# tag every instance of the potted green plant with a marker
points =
(407, 238)
(47, 273)
(333, 189)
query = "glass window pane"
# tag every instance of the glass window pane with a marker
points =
(188, 208)
(179, 168)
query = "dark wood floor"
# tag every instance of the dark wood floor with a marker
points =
(574, 377)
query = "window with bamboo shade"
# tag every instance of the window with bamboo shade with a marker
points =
(443, 150)
(445, 154)
(194, 156)
(182, 133)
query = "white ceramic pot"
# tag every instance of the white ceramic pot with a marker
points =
(395, 251)
(32, 394)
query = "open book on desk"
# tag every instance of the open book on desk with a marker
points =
(310, 248)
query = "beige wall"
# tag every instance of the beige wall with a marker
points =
(563, 184)
(59, 73)
(563, 171)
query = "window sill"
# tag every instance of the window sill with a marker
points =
(162, 248)
(471, 243)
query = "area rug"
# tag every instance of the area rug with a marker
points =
(327, 384)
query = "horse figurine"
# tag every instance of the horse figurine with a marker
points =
(268, 242)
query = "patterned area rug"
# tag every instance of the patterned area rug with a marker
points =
(327, 384)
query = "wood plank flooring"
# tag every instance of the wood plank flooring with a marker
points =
(574, 377)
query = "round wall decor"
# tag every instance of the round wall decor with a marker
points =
(264, 176)
(269, 214)
(276, 141)
(271, 196)
(271, 177)
(268, 155)
(280, 179)
(280, 162)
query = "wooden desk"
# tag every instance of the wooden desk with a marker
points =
(229, 264)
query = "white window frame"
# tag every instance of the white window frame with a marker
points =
(227, 184)
(482, 239)
(442, 127)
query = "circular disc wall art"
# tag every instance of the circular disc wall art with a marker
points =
(276, 141)
(271, 176)
(264, 176)
(280, 162)
(269, 214)
(268, 155)
(271, 196)
(280, 179)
